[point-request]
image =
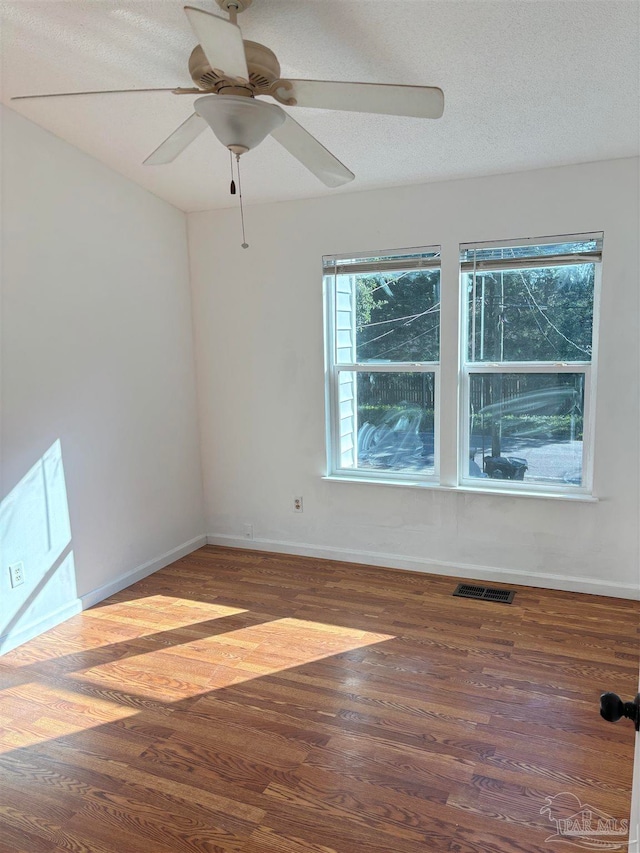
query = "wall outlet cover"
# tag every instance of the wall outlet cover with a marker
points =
(16, 573)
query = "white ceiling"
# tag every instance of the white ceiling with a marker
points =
(527, 83)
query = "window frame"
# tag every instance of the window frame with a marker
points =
(587, 368)
(463, 371)
(333, 368)
(539, 368)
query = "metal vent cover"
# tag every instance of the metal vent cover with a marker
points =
(484, 593)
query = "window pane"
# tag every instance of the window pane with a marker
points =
(387, 421)
(398, 316)
(527, 426)
(537, 314)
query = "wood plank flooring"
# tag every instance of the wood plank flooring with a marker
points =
(243, 702)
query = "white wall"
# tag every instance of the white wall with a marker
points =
(259, 344)
(100, 466)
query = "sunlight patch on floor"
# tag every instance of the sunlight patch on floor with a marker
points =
(176, 612)
(222, 660)
(43, 712)
(66, 699)
(110, 624)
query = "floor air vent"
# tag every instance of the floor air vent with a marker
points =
(486, 593)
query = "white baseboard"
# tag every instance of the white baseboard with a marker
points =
(16, 638)
(459, 570)
(143, 571)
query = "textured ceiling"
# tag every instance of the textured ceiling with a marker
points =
(527, 83)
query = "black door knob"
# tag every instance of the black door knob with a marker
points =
(612, 708)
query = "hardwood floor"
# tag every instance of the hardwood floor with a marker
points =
(242, 702)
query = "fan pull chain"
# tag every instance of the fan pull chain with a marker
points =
(233, 183)
(245, 245)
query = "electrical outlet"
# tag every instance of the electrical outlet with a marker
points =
(297, 504)
(16, 573)
(248, 531)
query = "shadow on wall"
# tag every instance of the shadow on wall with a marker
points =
(35, 537)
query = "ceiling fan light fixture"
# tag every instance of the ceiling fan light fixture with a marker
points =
(240, 123)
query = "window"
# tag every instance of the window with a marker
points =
(383, 364)
(527, 361)
(524, 393)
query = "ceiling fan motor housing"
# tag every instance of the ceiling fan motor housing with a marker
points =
(263, 65)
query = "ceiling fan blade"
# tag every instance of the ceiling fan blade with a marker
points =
(175, 144)
(417, 101)
(311, 153)
(102, 92)
(221, 42)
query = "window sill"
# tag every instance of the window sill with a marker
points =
(578, 497)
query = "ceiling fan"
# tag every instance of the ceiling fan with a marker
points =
(231, 73)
